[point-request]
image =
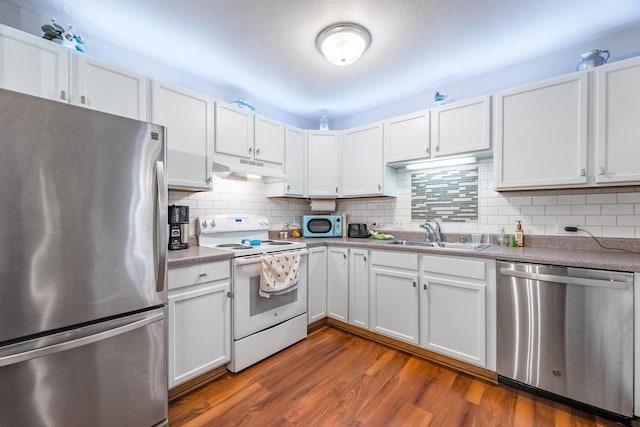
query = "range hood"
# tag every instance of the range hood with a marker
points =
(229, 167)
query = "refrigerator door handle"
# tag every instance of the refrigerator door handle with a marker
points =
(68, 345)
(162, 238)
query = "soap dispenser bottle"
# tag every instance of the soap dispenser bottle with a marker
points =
(519, 235)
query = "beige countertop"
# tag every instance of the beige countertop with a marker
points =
(599, 259)
(196, 255)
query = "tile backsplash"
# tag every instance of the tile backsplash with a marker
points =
(235, 197)
(608, 212)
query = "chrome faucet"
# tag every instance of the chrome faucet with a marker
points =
(435, 230)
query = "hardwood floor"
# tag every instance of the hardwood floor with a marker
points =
(334, 379)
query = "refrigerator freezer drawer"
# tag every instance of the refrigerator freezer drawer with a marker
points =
(108, 374)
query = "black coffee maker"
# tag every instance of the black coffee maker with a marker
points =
(178, 227)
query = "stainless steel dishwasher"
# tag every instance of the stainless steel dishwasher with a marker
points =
(567, 331)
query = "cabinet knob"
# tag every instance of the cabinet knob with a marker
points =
(426, 149)
(288, 187)
(63, 94)
(208, 180)
(365, 258)
(336, 190)
(344, 256)
(379, 187)
(250, 149)
(83, 100)
(437, 148)
(424, 286)
(601, 170)
(414, 284)
(583, 172)
(257, 151)
(229, 294)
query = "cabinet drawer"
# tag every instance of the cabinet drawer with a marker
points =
(199, 273)
(395, 260)
(461, 267)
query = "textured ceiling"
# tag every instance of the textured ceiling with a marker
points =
(267, 47)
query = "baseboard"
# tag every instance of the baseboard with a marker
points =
(197, 382)
(318, 324)
(416, 351)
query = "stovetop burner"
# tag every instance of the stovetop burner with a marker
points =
(276, 243)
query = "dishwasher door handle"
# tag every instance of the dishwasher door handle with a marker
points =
(570, 280)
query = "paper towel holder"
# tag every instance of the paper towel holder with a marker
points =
(322, 205)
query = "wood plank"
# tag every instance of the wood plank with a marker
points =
(335, 378)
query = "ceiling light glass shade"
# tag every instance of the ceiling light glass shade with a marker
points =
(442, 162)
(343, 44)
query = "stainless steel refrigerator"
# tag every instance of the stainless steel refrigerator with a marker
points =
(82, 267)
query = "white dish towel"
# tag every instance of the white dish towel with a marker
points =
(279, 274)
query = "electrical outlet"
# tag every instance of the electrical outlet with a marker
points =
(560, 228)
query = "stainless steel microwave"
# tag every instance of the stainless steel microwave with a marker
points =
(322, 226)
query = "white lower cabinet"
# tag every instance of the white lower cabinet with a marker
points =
(359, 288)
(394, 299)
(338, 283)
(199, 331)
(457, 315)
(317, 284)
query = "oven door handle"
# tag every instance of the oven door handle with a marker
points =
(253, 259)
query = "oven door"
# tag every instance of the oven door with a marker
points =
(253, 313)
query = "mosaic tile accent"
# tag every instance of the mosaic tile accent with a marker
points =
(445, 194)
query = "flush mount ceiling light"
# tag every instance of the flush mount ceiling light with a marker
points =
(343, 44)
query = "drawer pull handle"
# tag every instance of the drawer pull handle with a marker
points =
(203, 274)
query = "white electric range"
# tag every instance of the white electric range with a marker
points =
(260, 326)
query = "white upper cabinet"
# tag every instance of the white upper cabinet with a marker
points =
(234, 131)
(102, 87)
(188, 119)
(323, 168)
(461, 127)
(33, 65)
(407, 137)
(241, 133)
(540, 134)
(294, 161)
(269, 142)
(363, 169)
(617, 122)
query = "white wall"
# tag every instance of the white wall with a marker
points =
(623, 45)
(235, 197)
(613, 212)
(30, 22)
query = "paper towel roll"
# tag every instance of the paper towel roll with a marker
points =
(323, 205)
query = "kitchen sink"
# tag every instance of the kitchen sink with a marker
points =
(442, 245)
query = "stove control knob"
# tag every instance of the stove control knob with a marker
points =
(265, 222)
(204, 224)
(212, 223)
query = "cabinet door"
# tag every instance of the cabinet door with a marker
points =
(461, 127)
(407, 137)
(317, 283)
(324, 164)
(199, 330)
(541, 134)
(338, 284)
(33, 65)
(617, 122)
(234, 131)
(394, 304)
(363, 170)
(101, 87)
(188, 121)
(269, 140)
(294, 161)
(359, 288)
(454, 318)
